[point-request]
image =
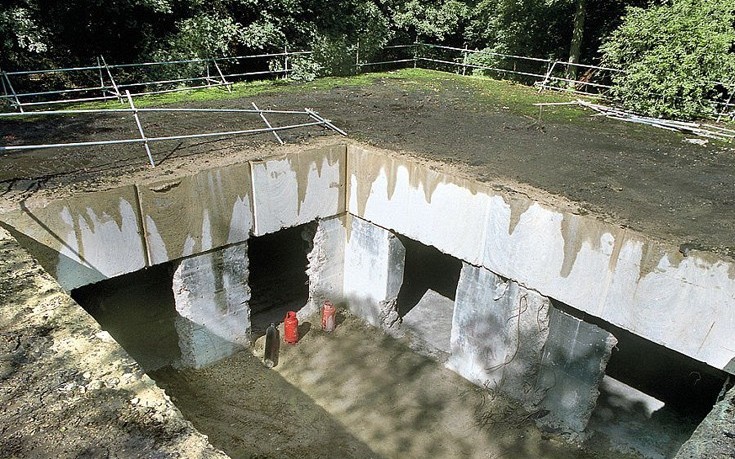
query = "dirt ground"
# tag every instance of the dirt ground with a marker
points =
(355, 393)
(67, 390)
(636, 176)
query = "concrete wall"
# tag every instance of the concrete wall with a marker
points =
(373, 272)
(83, 239)
(684, 303)
(95, 236)
(298, 189)
(650, 289)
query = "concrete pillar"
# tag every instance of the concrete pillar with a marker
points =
(499, 329)
(326, 263)
(573, 365)
(715, 436)
(373, 272)
(211, 294)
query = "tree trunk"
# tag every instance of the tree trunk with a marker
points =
(577, 34)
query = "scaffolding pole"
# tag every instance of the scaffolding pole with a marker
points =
(221, 75)
(140, 128)
(314, 115)
(267, 123)
(112, 80)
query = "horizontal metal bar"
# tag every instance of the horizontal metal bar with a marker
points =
(61, 70)
(155, 110)
(69, 101)
(62, 91)
(159, 139)
(256, 56)
(185, 88)
(458, 64)
(569, 80)
(193, 61)
(490, 53)
(260, 72)
(399, 61)
(147, 83)
(412, 45)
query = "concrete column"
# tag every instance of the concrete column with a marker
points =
(373, 272)
(326, 263)
(574, 360)
(211, 294)
(498, 332)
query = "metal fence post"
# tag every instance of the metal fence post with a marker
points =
(357, 57)
(285, 62)
(226, 83)
(727, 104)
(415, 52)
(464, 60)
(12, 92)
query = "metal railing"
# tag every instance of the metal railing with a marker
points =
(104, 82)
(315, 120)
(111, 81)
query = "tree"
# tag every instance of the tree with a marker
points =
(577, 33)
(673, 57)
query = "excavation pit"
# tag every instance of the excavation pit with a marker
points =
(226, 251)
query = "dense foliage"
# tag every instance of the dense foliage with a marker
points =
(676, 57)
(672, 50)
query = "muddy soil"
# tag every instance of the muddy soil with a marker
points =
(67, 390)
(356, 393)
(636, 176)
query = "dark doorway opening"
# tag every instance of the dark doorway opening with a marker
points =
(426, 268)
(278, 280)
(685, 385)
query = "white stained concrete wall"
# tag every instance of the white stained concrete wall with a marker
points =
(498, 333)
(211, 295)
(326, 265)
(686, 304)
(373, 272)
(194, 214)
(298, 188)
(85, 239)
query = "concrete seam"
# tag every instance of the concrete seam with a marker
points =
(143, 226)
(252, 196)
(345, 169)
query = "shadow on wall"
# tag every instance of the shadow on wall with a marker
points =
(426, 268)
(138, 311)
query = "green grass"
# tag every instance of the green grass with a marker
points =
(491, 93)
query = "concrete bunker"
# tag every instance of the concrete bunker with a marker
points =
(352, 225)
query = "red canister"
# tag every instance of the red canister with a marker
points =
(328, 316)
(291, 328)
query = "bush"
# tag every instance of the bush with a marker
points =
(673, 56)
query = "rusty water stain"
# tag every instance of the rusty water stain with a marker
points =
(576, 231)
(518, 206)
(367, 166)
(178, 212)
(303, 163)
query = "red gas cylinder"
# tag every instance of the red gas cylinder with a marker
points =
(328, 316)
(291, 328)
